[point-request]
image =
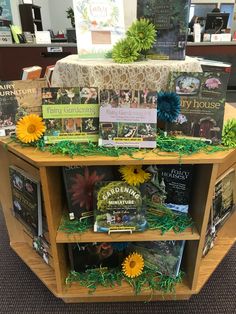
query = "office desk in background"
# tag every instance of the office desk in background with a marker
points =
(220, 51)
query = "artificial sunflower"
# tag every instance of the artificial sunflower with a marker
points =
(133, 265)
(134, 174)
(124, 51)
(143, 33)
(30, 128)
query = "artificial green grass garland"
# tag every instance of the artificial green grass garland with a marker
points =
(176, 222)
(164, 222)
(164, 144)
(76, 225)
(180, 146)
(149, 279)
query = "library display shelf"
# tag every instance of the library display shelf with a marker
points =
(47, 168)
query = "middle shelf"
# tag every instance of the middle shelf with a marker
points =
(148, 235)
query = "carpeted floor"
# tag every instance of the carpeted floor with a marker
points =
(22, 292)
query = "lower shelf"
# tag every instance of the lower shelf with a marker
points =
(74, 293)
(77, 293)
(44, 272)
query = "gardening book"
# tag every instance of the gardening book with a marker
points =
(70, 114)
(118, 207)
(16, 98)
(79, 182)
(162, 256)
(128, 118)
(99, 25)
(171, 20)
(170, 185)
(86, 256)
(26, 200)
(202, 104)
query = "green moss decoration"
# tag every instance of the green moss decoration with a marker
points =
(149, 279)
(124, 51)
(229, 133)
(142, 33)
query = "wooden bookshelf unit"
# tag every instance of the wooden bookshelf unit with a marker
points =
(47, 168)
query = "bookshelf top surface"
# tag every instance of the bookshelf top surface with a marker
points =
(45, 158)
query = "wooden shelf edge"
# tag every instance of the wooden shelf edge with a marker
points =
(225, 239)
(149, 235)
(43, 271)
(212, 260)
(39, 158)
(122, 293)
(126, 298)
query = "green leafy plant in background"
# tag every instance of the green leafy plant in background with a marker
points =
(229, 133)
(71, 16)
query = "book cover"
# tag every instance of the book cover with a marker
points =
(171, 20)
(118, 207)
(48, 74)
(202, 104)
(70, 114)
(170, 185)
(31, 73)
(162, 256)
(99, 25)
(17, 97)
(86, 256)
(224, 198)
(79, 182)
(128, 118)
(26, 200)
(42, 247)
(223, 205)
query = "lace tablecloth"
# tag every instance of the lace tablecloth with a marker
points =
(153, 74)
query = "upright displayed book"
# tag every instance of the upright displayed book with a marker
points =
(15, 97)
(48, 74)
(26, 200)
(202, 104)
(171, 20)
(79, 185)
(86, 256)
(70, 114)
(170, 185)
(99, 25)
(223, 205)
(162, 256)
(31, 73)
(118, 207)
(128, 118)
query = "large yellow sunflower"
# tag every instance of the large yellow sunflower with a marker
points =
(134, 174)
(30, 128)
(133, 265)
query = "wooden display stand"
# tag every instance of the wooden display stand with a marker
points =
(47, 168)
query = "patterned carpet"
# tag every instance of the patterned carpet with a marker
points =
(22, 292)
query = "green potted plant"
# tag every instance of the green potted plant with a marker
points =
(71, 16)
